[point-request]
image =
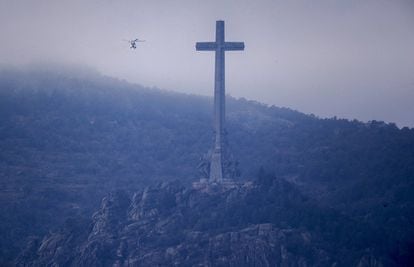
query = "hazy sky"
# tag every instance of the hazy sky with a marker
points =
(348, 58)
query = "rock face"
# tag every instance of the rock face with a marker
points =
(169, 225)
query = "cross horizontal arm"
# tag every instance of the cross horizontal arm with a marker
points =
(233, 46)
(206, 46)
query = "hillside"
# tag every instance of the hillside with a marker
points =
(68, 138)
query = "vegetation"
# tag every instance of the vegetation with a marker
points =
(66, 139)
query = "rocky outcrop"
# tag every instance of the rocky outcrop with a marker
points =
(169, 225)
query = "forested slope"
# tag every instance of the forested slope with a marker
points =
(68, 138)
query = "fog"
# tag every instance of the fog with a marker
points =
(350, 59)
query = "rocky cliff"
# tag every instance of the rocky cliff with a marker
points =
(169, 225)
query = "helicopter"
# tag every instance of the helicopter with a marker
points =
(133, 43)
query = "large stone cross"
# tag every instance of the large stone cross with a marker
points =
(219, 46)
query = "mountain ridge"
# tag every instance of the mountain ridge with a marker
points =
(66, 141)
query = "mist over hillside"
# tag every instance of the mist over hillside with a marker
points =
(68, 138)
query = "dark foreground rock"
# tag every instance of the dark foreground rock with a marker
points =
(267, 224)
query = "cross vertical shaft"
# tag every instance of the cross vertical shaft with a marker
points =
(219, 85)
(219, 46)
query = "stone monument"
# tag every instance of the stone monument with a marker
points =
(217, 160)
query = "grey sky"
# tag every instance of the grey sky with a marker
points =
(350, 58)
